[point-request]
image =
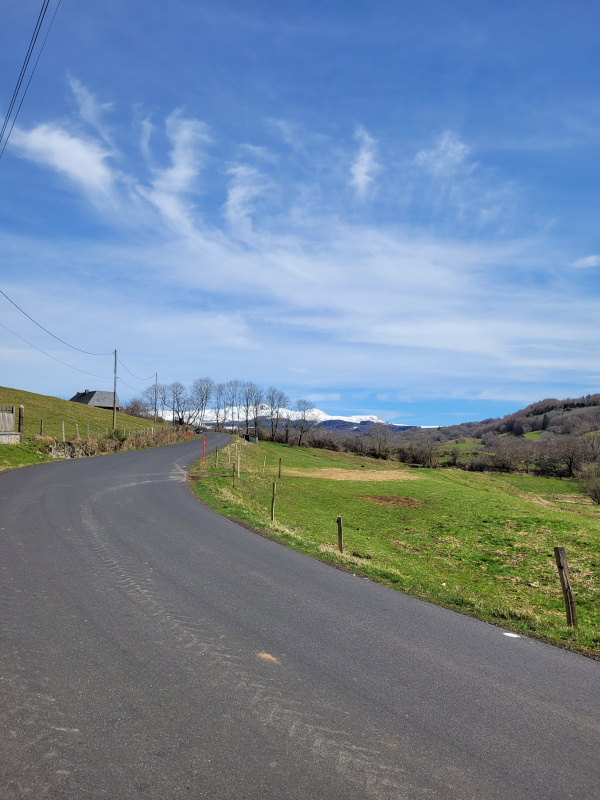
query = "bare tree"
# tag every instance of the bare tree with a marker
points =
(380, 434)
(247, 390)
(151, 397)
(201, 393)
(219, 405)
(163, 397)
(258, 397)
(591, 447)
(307, 419)
(138, 407)
(232, 389)
(179, 402)
(276, 401)
(588, 478)
(570, 450)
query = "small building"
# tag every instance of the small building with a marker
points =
(8, 435)
(96, 399)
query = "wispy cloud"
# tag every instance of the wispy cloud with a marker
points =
(447, 158)
(365, 166)
(188, 139)
(91, 111)
(588, 261)
(246, 184)
(146, 134)
(83, 161)
(171, 185)
(322, 398)
(325, 297)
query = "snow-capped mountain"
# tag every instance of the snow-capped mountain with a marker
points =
(314, 414)
(321, 416)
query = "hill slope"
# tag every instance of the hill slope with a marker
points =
(55, 411)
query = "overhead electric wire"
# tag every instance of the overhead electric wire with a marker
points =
(137, 377)
(58, 339)
(133, 389)
(28, 82)
(32, 42)
(64, 363)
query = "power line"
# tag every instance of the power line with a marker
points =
(64, 363)
(58, 339)
(133, 389)
(28, 82)
(137, 377)
(32, 42)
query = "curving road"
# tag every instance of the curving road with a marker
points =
(152, 649)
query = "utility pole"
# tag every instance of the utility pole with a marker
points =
(155, 397)
(115, 395)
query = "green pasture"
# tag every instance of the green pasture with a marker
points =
(477, 543)
(466, 444)
(54, 412)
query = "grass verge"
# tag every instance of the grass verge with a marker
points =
(476, 543)
(78, 420)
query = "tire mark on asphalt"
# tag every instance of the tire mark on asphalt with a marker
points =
(369, 768)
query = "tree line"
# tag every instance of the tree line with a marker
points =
(235, 404)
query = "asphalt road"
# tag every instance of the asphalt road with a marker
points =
(152, 649)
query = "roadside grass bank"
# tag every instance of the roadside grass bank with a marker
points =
(47, 449)
(477, 543)
(79, 420)
(55, 411)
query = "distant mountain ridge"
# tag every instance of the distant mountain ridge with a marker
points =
(315, 414)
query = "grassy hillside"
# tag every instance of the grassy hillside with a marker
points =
(54, 412)
(478, 543)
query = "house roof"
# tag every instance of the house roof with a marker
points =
(96, 399)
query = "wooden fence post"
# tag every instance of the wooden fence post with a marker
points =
(63, 429)
(340, 535)
(77, 429)
(565, 582)
(273, 502)
(280, 468)
(239, 458)
(264, 465)
(233, 473)
(41, 427)
(88, 430)
(21, 421)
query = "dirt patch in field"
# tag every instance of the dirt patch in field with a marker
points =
(576, 499)
(334, 474)
(405, 502)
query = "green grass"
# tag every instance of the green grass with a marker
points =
(480, 544)
(532, 435)
(22, 455)
(466, 444)
(54, 412)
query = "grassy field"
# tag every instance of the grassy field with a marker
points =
(466, 444)
(54, 412)
(533, 436)
(477, 543)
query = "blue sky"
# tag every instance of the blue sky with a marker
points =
(389, 208)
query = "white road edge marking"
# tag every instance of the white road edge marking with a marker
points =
(511, 635)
